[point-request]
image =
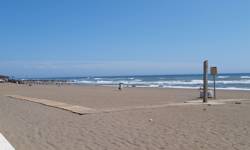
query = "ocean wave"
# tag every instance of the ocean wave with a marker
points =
(223, 77)
(245, 77)
(97, 78)
(234, 82)
(184, 84)
(81, 82)
(160, 83)
(180, 82)
(140, 82)
(181, 87)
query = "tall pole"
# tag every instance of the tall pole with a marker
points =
(205, 82)
(214, 87)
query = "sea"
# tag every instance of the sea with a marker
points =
(229, 81)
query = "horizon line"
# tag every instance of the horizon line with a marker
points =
(135, 75)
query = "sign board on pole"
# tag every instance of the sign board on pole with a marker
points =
(214, 71)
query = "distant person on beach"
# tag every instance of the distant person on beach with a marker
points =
(120, 86)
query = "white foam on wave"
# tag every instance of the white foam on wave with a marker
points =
(186, 84)
(105, 82)
(140, 82)
(245, 77)
(234, 82)
(97, 78)
(82, 82)
(119, 81)
(181, 82)
(181, 87)
(135, 80)
(235, 88)
(223, 77)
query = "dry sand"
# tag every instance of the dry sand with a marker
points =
(31, 126)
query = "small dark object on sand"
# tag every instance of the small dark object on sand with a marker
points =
(237, 103)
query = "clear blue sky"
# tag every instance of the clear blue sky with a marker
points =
(122, 37)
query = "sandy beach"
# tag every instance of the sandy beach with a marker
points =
(125, 75)
(32, 126)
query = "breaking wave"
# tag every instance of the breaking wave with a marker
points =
(245, 77)
(223, 77)
(231, 82)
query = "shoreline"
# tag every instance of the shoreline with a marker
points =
(238, 81)
(64, 82)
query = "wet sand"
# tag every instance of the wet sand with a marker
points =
(29, 125)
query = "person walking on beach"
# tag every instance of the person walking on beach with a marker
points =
(120, 86)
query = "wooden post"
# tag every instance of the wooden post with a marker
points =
(214, 88)
(205, 82)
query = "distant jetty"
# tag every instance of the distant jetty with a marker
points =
(35, 81)
(4, 78)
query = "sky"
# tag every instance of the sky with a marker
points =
(49, 38)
